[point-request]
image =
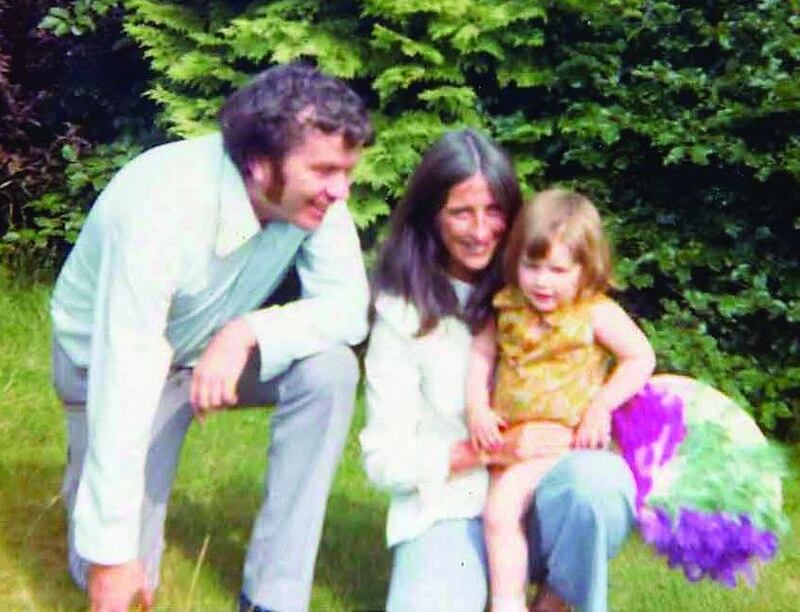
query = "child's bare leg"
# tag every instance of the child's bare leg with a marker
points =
(510, 493)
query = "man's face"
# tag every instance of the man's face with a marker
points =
(314, 174)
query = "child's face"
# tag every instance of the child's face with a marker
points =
(552, 281)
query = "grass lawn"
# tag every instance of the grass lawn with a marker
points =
(215, 499)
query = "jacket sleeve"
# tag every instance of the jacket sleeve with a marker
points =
(399, 455)
(129, 360)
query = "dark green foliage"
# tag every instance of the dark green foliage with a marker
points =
(683, 120)
(62, 97)
(680, 118)
(78, 17)
(55, 217)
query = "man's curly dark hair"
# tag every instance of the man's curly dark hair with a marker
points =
(269, 116)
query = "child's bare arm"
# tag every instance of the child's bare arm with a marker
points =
(483, 422)
(635, 361)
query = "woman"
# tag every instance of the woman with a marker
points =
(434, 281)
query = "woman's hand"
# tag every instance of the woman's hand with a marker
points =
(484, 429)
(464, 457)
(520, 443)
(594, 430)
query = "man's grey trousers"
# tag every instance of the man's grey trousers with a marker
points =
(313, 406)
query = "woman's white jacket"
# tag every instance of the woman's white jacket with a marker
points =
(415, 414)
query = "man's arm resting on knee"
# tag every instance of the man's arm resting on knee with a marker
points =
(217, 372)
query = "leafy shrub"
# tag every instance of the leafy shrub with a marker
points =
(55, 218)
(62, 96)
(679, 118)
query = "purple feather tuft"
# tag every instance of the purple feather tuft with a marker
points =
(708, 545)
(648, 428)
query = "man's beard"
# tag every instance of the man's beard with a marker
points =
(274, 191)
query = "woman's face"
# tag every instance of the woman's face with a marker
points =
(471, 224)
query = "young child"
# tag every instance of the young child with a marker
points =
(560, 356)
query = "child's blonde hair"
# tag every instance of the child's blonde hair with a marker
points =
(567, 217)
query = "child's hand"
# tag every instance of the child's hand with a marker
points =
(594, 430)
(484, 429)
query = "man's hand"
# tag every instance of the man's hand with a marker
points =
(594, 430)
(217, 373)
(114, 588)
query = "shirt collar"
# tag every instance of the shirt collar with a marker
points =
(237, 221)
(463, 290)
(512, 298)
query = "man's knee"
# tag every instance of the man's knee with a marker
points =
(332, 373)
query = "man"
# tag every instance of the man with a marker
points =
(156, 320)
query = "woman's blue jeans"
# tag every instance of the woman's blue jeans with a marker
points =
(582, 511)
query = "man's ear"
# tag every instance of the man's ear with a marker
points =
(259, 171)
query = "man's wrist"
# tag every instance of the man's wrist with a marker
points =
(107, 567)
(242, 331)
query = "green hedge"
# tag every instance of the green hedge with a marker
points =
(681, 119)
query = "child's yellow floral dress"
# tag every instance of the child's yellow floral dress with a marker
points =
(549, 372)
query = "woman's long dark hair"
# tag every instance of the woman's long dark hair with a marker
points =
(413, 261)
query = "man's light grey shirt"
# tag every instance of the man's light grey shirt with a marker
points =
(169, 253)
